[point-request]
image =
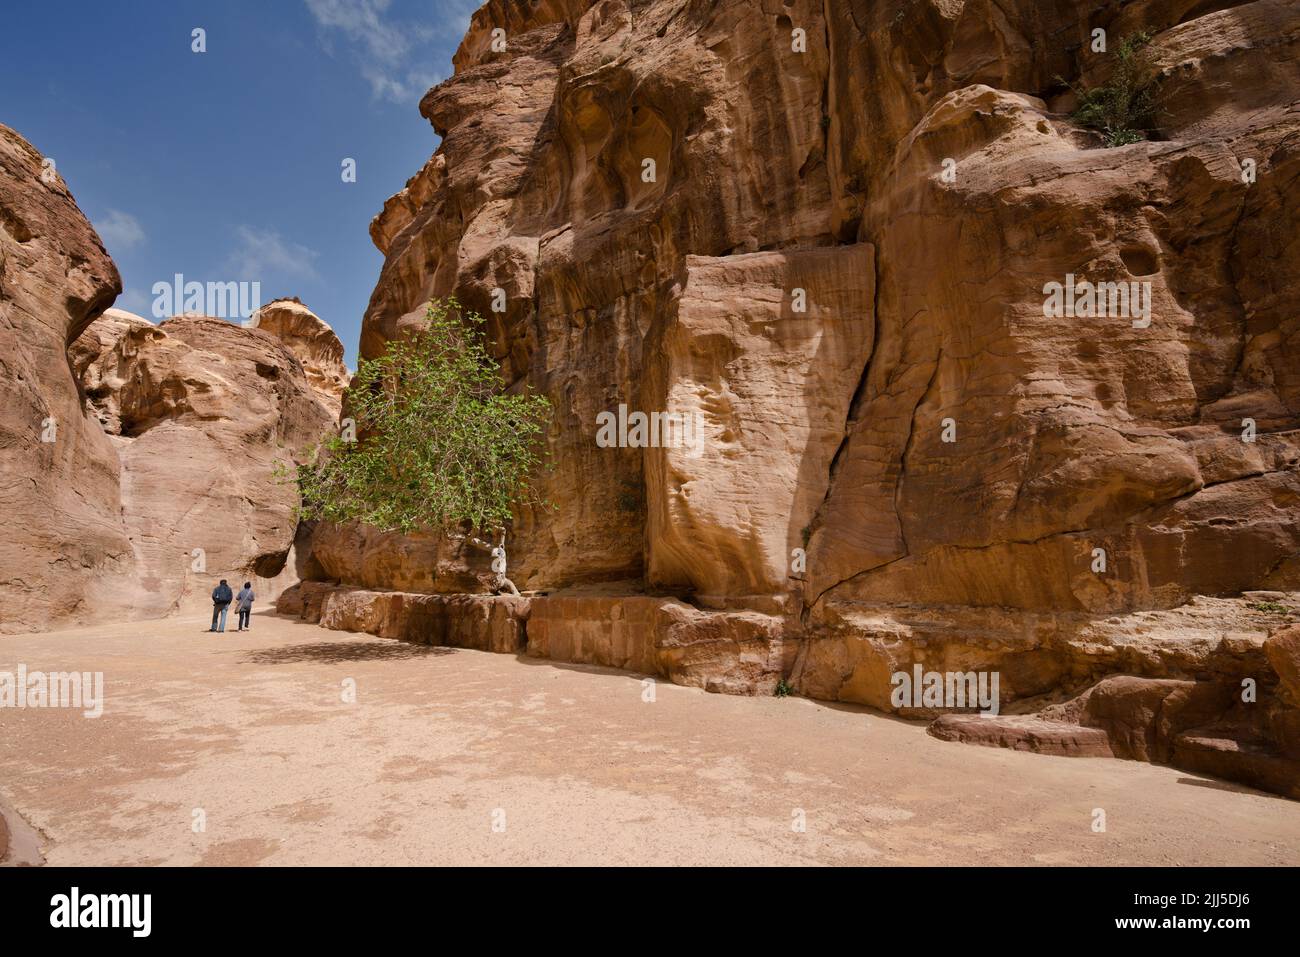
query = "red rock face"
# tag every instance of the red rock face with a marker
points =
(207, 419)
(139, 461)
(65, 550)
(924, 461)
(922, 426)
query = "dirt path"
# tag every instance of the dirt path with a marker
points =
(250, 731)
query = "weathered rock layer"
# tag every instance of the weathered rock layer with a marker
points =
(66, 550)
(826, 234)
(207, 418)
(141, 462)
(312, 341)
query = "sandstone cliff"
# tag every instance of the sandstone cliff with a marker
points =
(65, 551)
(204, 415)
(822, 172)
(825, 232)
(312, 342)
(139, 460)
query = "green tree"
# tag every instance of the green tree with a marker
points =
(438, 445)
(1124, 108)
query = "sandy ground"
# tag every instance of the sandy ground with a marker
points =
(462, 757)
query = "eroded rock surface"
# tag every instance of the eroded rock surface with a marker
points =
(836, 258)
(65, 551)
(312, 341)
(207, 418)
(431, 563)
(783, 177)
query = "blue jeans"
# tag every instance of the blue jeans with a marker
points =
(219, 610)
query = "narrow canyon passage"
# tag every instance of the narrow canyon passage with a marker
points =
(450, 756)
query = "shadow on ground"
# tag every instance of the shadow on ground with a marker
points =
(1217, 785)
(332, 651)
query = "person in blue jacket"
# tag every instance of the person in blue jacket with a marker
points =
(221, 599)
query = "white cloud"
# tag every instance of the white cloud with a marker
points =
(120, 231)
(264, 250)
(133, 300)
(398, 89)
(393, 54)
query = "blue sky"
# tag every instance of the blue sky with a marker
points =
(226, 165)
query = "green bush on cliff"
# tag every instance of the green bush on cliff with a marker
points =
(1124, 108)
(437, 444)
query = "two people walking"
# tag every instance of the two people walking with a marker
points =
(221, 599)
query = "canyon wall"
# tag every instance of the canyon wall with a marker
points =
(822, 174)
(825, 233)
(65, 551)
(141, 462)
(207, 418)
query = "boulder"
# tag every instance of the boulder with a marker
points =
(1023, 733)
(1283, 651)
(304, 600)
(1142, 716)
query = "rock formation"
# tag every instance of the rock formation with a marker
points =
(312, 341)
(1069, 434)
(827, 234)
(140, 461)
(207, 418)
(65, 552)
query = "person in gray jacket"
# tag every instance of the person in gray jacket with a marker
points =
(244, 605)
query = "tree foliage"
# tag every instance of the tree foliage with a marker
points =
(438, 445)
(1124, 108)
